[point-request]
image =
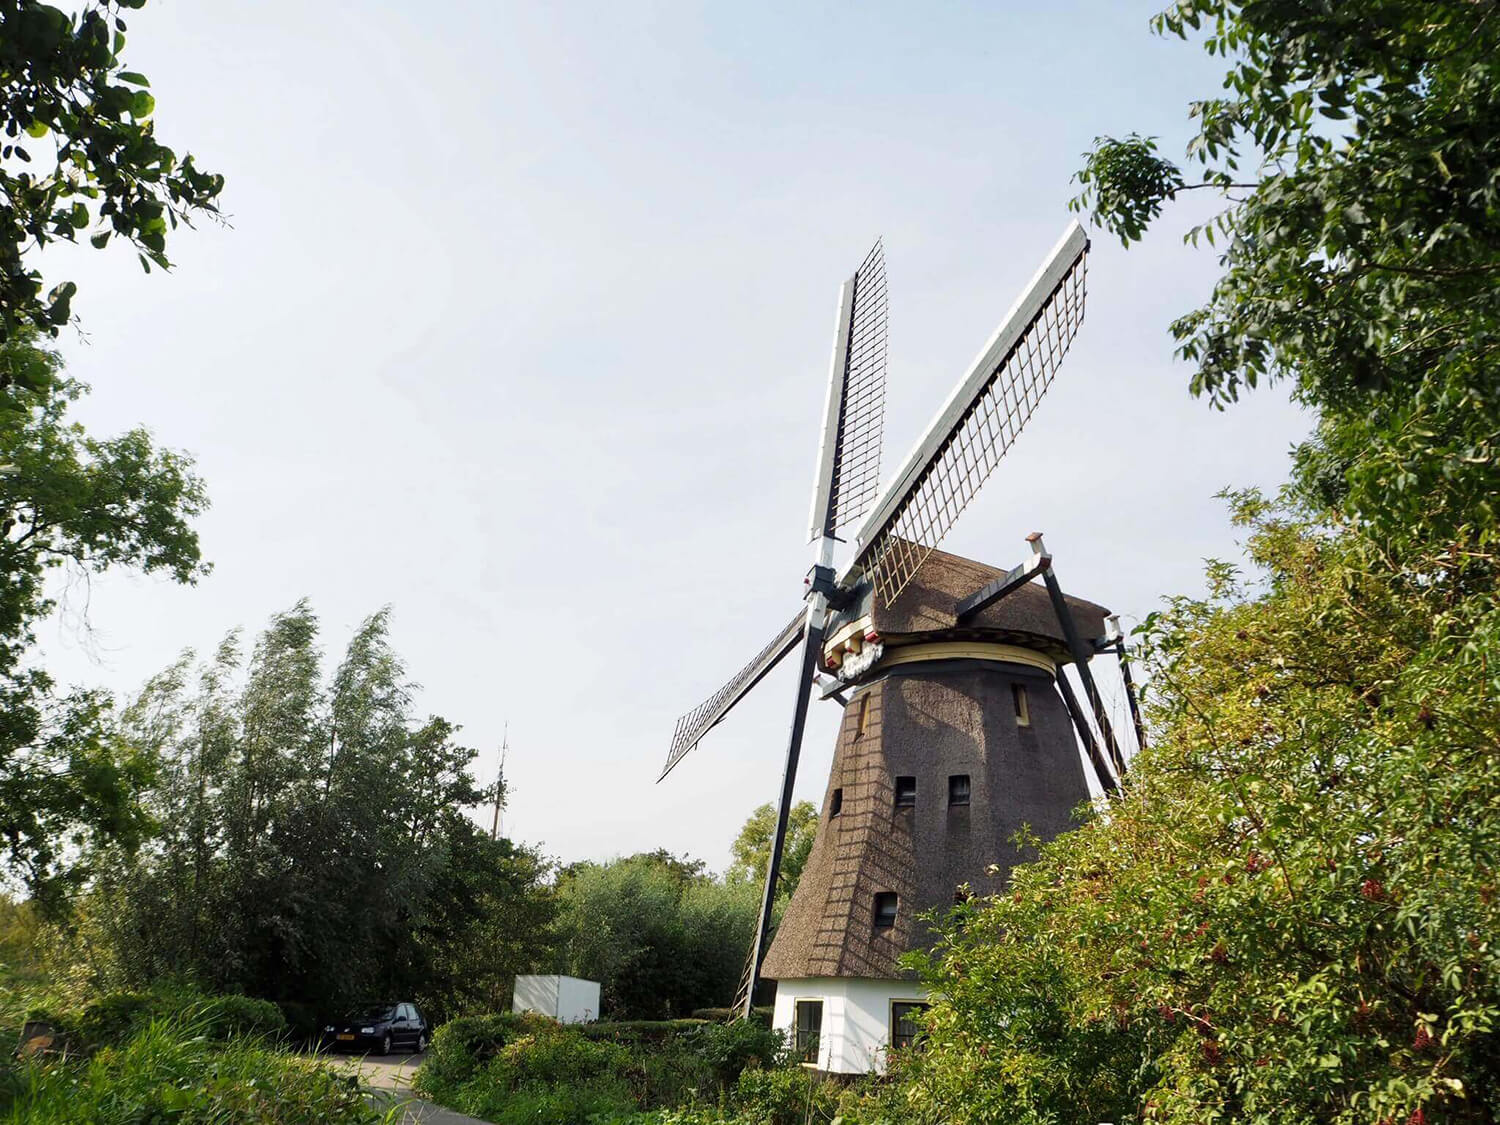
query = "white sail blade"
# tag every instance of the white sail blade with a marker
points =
(701, 719)
(848, 474)
(978, 423)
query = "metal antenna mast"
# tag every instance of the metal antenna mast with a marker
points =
(500, 783)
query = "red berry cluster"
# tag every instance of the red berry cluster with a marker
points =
(1373, 889)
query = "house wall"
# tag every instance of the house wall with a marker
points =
(856, 1018)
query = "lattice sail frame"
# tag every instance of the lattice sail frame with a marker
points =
(979, 437)
(701, 719)
(856, 467)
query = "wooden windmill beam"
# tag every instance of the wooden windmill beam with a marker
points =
(1085, 733)
(1007, 584)
(812, 649)
(1117, 639)
(1081, 654)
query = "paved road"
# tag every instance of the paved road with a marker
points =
(384, 1072)
(391, 1077)
(423, 1112)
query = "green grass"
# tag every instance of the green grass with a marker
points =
(169, 1071)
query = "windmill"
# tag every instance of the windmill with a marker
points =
(928, 653)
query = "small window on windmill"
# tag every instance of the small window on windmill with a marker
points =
(836, 803)
(885, 910)
(1023, 709)
(958, 789)
(906, 792)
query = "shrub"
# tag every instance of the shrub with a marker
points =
(555, 1057)
(786, 1095)
(490, 1066)
(726, 1049)
(113, 1017)
(562, 1105)
(552, 1076)
(224, 1017)
(638, 1031)
(760, 1014)
(461, 1048)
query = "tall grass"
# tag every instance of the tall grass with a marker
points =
(169, 1070)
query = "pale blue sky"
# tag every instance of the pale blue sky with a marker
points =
(522, 326)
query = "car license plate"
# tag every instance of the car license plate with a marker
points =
(344, 1036)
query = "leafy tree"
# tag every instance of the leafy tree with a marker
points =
(69, 500)
(491, 918)
(660, 936)
(619, 924)
(20, 927)
(1290, 915)
(752, 847)
(1356, 147)
(80, 153)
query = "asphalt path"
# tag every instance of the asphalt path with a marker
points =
(390, 1076)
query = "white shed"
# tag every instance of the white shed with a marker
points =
(565, 999)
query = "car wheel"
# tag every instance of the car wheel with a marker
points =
(421, 1041)
(385, 1043)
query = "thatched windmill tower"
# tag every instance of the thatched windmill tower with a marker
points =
(960, 725)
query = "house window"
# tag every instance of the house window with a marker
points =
(836, 803)
(1023, 710)
(885, 910)
(809, 1028)
(906, 792)
(906, 1023)
(958, 789)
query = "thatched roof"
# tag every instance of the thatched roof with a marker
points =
(927, 606)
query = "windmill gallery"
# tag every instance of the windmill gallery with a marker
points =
(960, 720)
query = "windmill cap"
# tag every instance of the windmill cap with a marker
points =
(930, 601)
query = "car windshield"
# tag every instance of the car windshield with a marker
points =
(374, 1012)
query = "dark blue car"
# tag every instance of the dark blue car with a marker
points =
(380, 1029)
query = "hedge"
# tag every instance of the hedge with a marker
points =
(728, 1015)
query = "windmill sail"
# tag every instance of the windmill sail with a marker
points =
(848, 477)
(701, 719)
(977, 425)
